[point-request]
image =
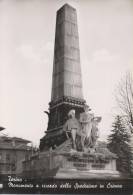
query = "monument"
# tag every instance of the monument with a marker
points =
(67, 80)
(70, 144)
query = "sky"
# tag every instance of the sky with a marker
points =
(26, 60)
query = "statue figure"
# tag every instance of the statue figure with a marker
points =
(72, 125)
(86, 123)
(90, 142)
(84, 133)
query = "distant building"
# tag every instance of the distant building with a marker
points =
(13, 151)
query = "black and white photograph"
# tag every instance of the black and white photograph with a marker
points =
(66, 96)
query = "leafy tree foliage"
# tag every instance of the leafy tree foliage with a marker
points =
(119, 143)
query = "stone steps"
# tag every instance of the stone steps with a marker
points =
(86, 174)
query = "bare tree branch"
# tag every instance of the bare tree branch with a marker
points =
(124, 97)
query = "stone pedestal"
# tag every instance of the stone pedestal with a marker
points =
(68, 164)
(86, 167)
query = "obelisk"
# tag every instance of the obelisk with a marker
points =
(66, 80)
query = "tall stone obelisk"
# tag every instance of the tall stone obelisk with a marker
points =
(67, 79)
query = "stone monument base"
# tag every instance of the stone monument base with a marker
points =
(64, 162)
(89, 174)
(86, 167)
(100, 163)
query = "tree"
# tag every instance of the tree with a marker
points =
(124, 99)
(119, 143)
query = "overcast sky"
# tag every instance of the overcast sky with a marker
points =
(26, 59)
